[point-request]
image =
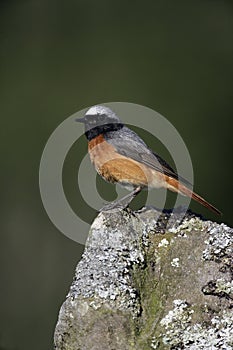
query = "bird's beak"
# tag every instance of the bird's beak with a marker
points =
(80, 120)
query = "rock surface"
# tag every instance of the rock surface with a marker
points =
(150, 281)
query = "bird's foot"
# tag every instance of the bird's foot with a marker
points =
(121, 203)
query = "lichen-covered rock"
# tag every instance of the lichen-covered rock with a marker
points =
(150, 281)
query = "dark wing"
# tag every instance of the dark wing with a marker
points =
(129, 144)
(166, 166)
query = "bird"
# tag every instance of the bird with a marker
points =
(120, 156)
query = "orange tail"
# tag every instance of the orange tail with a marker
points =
(177, 186)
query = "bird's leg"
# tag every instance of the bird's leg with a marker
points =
(123, 202)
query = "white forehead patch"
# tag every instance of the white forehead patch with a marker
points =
(98, 110)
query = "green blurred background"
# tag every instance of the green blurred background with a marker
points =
(57, 57)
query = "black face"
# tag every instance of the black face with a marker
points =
(100, 124)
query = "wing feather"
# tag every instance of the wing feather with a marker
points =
(129, 144)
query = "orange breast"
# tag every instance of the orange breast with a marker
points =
(114, 167)
(96, 141)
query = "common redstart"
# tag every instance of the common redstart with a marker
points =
(121, 156)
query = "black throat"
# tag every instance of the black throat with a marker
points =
(102, 129)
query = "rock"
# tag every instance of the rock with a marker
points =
(150, 281)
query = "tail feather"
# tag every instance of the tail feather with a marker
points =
(206, 204)
(177, 186)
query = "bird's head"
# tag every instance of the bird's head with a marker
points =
(100, 119)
